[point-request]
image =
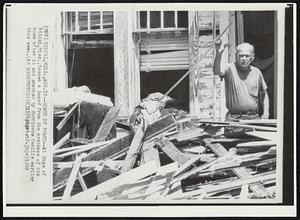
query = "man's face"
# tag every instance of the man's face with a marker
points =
(244, 58)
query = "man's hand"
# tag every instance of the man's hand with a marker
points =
(220, 47)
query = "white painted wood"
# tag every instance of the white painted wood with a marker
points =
(125, 178)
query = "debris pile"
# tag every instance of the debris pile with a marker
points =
(167, 158)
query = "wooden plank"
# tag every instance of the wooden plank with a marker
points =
(81, 181)
(255, 127)
(264, 134)
(129, 191)
(125, 178)
(61, 142)
(260, 122)
(170, 67)
(228, 140)
(84, 148)
(257, 144)
(72, 178)
(159, 126)
(84, 164)
(169, 148)
(107, 124)
(188, 134)
(240, 172)
(254, 180)
(106, 151)
(160, 185)
(150, 153)
(134, 148)
(67, 116)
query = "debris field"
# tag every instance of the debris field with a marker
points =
(165, 158)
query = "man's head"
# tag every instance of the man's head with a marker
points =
(245, 55)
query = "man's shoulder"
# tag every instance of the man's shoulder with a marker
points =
(255, 69)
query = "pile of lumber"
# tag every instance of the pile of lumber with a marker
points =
(186, 159)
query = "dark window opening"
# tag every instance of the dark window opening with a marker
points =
(259, 31)
(182, 19)
(93, 67)
(155, 19)
(162, 81)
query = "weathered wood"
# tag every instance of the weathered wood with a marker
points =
(81, 181)
(83, 148)
(150, 153)
(106, 124)
(129, 191)
(172, 151)
(159, 126)
(264, 134)
(72, 178)
(254, 127)
(126, 62)
(84, 164)
(67, 116)
(87, 44)
(257, 144)
(251, 180)
(188, 134)
(61, 142)
(112, 150)
(258, 189)
(134, 148)
(190, 163)
(160, 185)
(125, 178)
(265, 122)
(108, 150)
(80, 140)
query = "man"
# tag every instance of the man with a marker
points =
(245, 88)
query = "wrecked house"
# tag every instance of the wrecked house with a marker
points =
(109, 140)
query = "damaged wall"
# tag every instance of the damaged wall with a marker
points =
(206, 90)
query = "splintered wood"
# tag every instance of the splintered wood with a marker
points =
(169, 160)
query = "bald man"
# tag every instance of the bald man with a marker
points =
(245, 88)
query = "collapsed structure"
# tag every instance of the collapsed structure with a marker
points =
(160, 153)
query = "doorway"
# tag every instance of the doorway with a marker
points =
(259, 30)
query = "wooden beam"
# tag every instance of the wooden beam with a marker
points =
(159, 126)
(134, 148)
(84, 164)
(125, 178)
(107, 151)
(188, 134)
(150, 153)
(257, 179)
(84, 148)
(160, 185)
(169, 148)
(61, 142)
(220, 151)
(107, 124)
(68, 115)
(72, 178)
(81, 181)
(116, 146)
(257, 144)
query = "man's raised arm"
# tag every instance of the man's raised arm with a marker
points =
(217, 62)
